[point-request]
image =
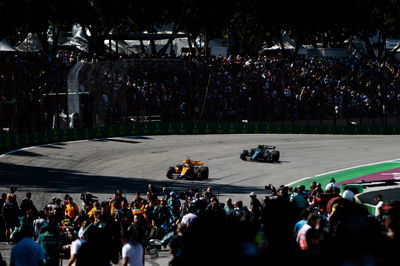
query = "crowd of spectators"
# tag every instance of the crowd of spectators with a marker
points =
(29, 84)
(263, 88)
(287, 224)
(234, 88)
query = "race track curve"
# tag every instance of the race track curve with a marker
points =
(130, 163)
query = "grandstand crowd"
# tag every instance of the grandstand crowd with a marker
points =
(263, 88)
(288, 224)
(26, 80)
(233, 88)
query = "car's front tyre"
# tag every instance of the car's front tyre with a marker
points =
(170, 172)
(244, 155)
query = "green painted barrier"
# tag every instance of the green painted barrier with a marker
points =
(18, 140)
(370, 208)
(357, 189)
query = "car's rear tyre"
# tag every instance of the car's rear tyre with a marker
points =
(204, 172)
(275, 155)
(170, 172)
(190, 174)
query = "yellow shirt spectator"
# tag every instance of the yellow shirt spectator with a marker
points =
(71, 209)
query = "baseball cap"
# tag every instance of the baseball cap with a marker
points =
(252, 194)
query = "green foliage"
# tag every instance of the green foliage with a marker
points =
(249, 24)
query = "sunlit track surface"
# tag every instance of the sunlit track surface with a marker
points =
(131, 163)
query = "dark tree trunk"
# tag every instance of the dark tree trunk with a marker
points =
(142, 49)
(153, 47)
(190, 44)
(43, 39)
(96, 45)
(163, 50)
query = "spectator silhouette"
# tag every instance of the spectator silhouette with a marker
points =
(26, 251)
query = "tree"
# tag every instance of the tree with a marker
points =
(149, 16)
(100, 17)
(202, 18)
(250, 23)
(374, 18)
(9, 19)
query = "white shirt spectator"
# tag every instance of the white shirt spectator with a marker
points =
(377, 208)
(76, 245)
(188, 219)
(248, 62)
(348, 194)
(133, 253)
(332, 184)
(38, 224)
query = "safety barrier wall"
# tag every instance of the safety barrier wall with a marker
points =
(370, 208)
(13, 141)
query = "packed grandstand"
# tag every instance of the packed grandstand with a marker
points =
(229, 89)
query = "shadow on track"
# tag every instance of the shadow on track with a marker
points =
(262, 162)
(116, 140)
(51, 146)
(68, 181)
(137, 137)
(122, 139)
(27, 153)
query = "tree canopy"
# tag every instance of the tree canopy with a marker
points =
(249, 24)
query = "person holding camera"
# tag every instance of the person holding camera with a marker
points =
(88, 200)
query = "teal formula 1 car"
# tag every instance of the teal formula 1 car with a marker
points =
(264, 153)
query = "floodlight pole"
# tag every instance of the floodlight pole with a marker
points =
(205, 96)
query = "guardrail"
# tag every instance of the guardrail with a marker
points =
(12, 141)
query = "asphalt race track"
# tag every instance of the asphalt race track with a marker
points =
(131, 163)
